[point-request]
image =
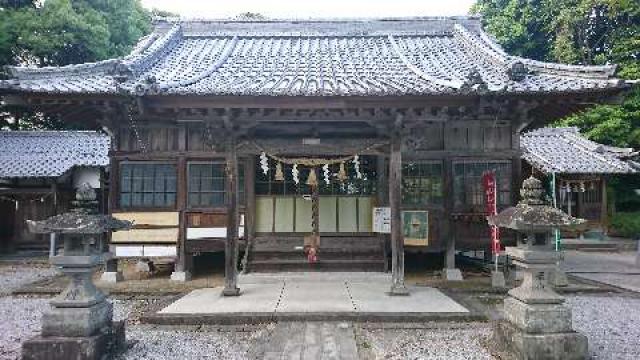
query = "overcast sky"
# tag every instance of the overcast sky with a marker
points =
(315, 8)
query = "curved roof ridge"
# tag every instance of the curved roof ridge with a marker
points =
(421, 74)
(144, 52)
(489, 46)
(139, 61)
(493, 51)
(226, 53)
(28, 73)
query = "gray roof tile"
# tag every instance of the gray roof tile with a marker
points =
(565, 150)
(50, 153)
(414, 56)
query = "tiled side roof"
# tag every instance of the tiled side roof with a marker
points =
(564, 150)
(415, 56)
(50, 153)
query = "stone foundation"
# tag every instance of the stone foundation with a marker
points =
(111, 277)
(76, 322)
(453, 274)
(104, 345)
(549, 346)
(537, 318)
(181, 276)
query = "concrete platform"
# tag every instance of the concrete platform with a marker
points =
(322, 297)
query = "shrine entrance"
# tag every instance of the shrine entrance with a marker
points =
(327, 207)
(346, 197)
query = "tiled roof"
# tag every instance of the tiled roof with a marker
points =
(50, 153)
(412, 56)
(564, 150)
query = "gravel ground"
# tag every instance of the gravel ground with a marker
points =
(188, 343)
(612, 324)
(432, 341)
(20, 321)
(13, 276)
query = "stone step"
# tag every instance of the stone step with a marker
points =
(330, 254)
(321, 265)
(590, 246)
(599, 249)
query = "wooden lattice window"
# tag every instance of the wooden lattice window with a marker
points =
(207, 185)
(421, 184)
(147, 185)
(467, 185)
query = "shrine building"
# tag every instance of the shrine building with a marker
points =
(252, 136)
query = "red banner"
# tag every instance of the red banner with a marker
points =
(490, 191)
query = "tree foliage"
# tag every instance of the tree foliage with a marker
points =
(62, 32)
(588, 32)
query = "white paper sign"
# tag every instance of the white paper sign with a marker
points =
(382, 220)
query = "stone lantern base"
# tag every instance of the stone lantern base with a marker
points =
(539, 332)
(104, 344)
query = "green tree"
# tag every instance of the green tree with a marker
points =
(585, 32)
(581, 32)
(520, 26)
(62, 32)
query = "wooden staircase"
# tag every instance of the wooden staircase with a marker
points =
(353, 253)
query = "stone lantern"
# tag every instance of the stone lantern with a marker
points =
(79, 324)
(537, 323)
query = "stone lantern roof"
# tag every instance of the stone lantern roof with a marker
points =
(533, 214)
(82, 219)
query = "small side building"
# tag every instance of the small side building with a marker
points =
(39, 171)
(581, 168)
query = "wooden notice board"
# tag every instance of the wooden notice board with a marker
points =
(415, 225)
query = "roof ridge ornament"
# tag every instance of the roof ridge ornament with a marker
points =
(517, 70)
(474, 82)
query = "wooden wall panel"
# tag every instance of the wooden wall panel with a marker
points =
(303, 215)
(455, 138)
(146, 236)
(347, 210)
(264, 214)
(365, 214)
(160, 218)
(166, 138)
(475, 138)
(195, 140)
(284, 214)
(328, 215)
(206, 220)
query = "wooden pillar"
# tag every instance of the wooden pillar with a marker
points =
(395, 200)
(249, 209)
(604, 206)
(233, 216)
(382, 199)
(448, 232)
(183, 262)
(52, 236)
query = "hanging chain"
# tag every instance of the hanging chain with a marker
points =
(134, 126)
